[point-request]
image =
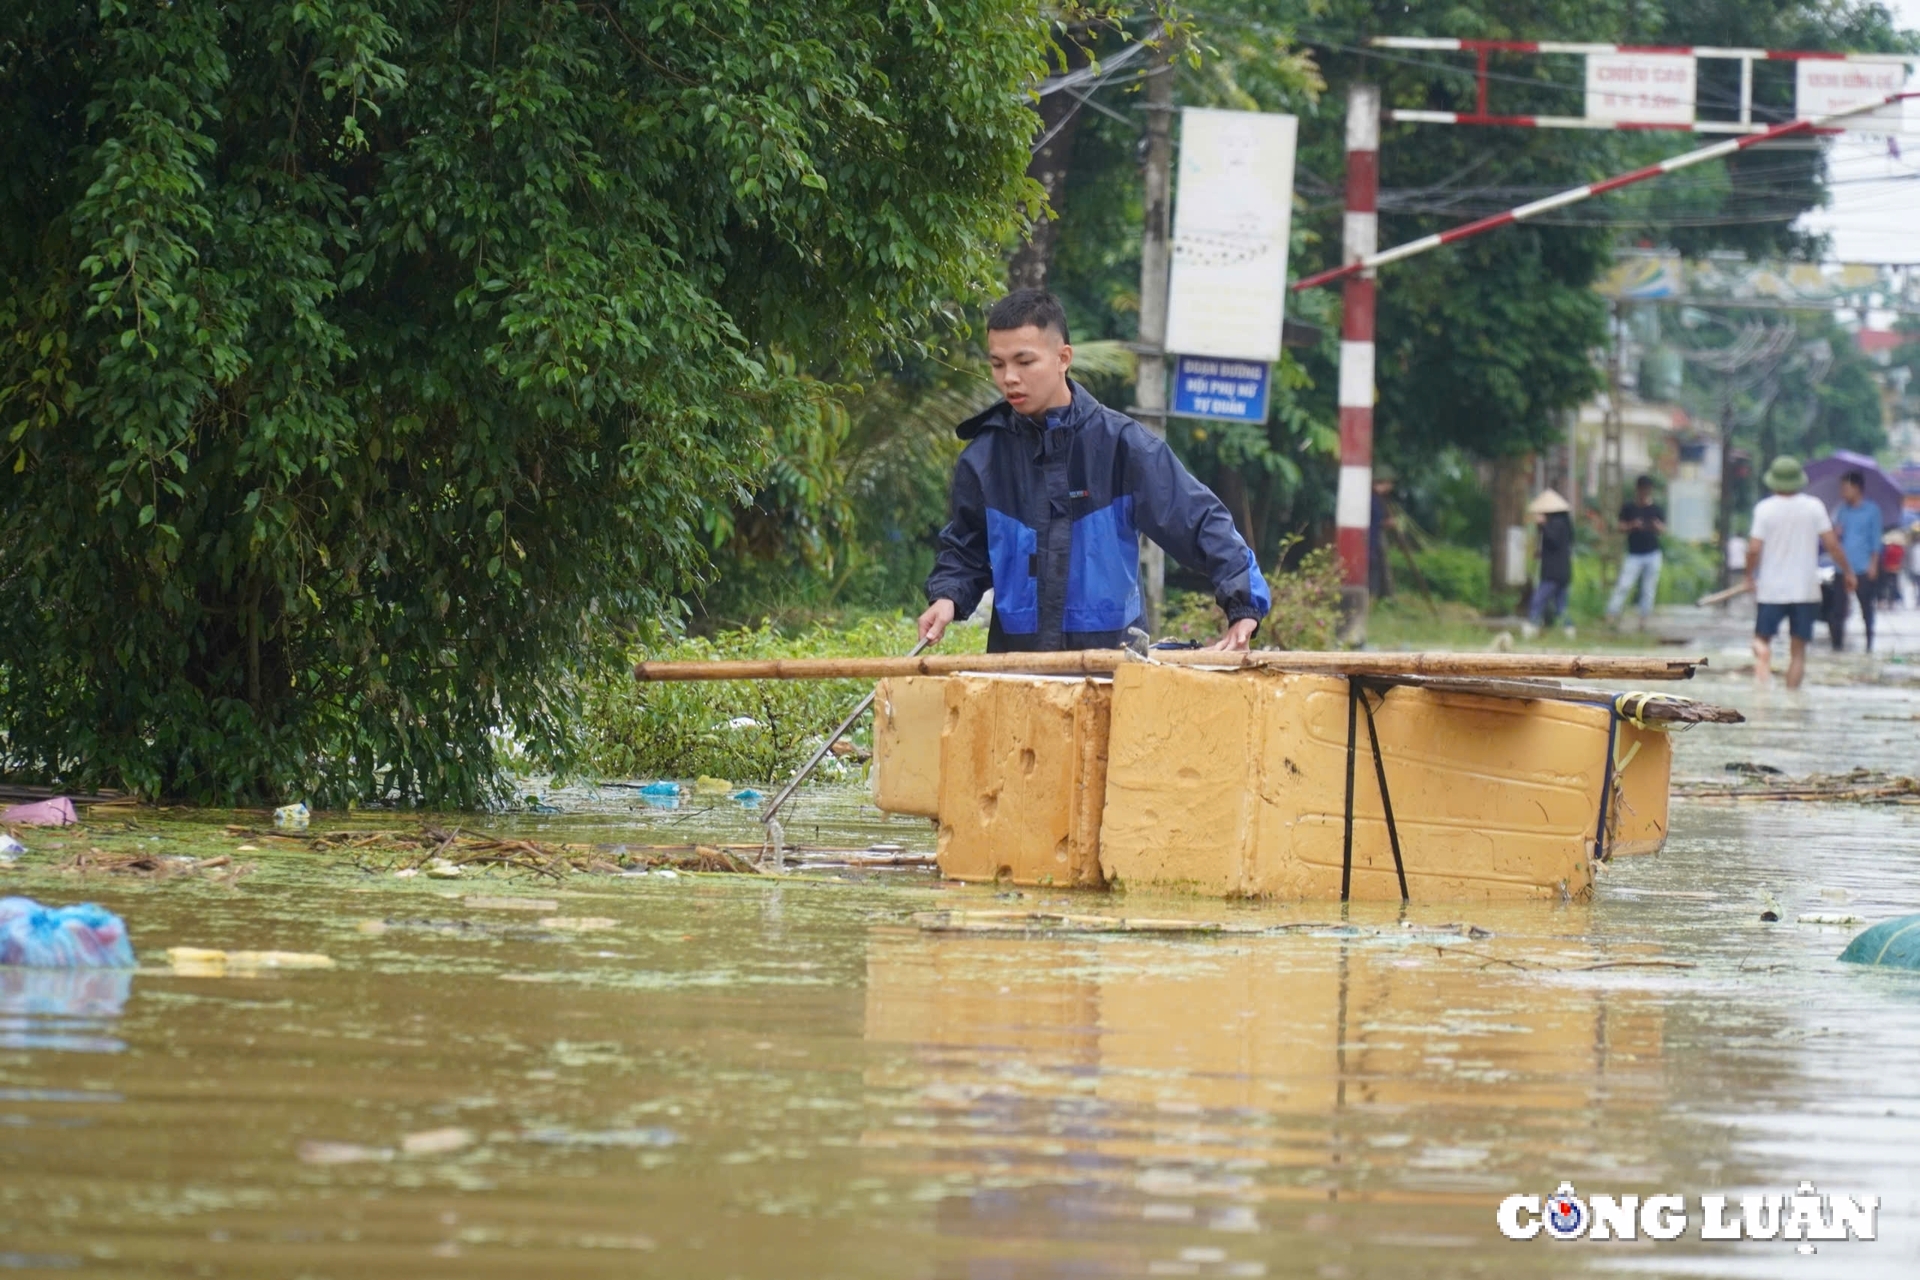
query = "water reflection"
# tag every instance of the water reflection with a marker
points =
(73, 1009)
(1273, 1086)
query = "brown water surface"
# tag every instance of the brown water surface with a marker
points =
(713, 1076)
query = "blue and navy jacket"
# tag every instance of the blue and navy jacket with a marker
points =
(1048, 514)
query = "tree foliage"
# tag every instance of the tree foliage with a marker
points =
(365, 364)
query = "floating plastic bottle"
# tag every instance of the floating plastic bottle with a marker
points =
(85, 936)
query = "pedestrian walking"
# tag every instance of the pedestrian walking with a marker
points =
(1554, 516)
(1643, 521)
(1893, 559)
(1860, 528)
(1050, 497)
(1783, 567)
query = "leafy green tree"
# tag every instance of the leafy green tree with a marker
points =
(366, 364)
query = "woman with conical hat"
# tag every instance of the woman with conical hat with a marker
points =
(1553, 513)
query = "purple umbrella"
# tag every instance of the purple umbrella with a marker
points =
(1823, 482)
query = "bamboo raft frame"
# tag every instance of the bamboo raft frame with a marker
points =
(1101, 662)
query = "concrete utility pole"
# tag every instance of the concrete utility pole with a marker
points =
(1156, 237)
(1359, 239)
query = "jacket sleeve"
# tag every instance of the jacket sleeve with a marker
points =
(1192, 526)
(961, 569)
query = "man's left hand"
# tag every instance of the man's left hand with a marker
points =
(1237, 637)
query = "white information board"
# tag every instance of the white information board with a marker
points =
(1823, 86)
(1647, 88)
(1227, 295)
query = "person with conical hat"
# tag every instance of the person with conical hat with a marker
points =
(1554, 516)
(1783, 567)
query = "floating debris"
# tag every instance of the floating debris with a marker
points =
(436, 1142)
(1860, 786)
(1030, 922)
(559, 1136)
(326, 1153)
(207, 962)
(159, 866)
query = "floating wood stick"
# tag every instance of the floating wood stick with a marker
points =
(1099, 662)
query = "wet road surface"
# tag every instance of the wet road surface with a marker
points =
(717, 1076)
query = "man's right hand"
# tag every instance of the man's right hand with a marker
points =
(935, 621)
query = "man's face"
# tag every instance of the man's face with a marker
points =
(1643, 494)
(1851, 493)
(1030, 367)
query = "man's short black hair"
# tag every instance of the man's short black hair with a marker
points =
(1025, 307)
(1643, 482)
(1855, 479)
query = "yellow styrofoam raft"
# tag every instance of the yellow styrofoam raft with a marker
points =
(1234, 784)
(1492, 797)
(908, 714)
(1023, 779)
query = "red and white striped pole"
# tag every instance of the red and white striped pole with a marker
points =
(1359, 240)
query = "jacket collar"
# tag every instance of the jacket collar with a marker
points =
(1000, 416)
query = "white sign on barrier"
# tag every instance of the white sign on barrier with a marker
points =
(1227, 294)
(1823, 86)
(1644, 88)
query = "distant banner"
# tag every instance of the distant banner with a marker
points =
(1662, 277)
(1647, 88)
(1227, 294)
(1644, 278)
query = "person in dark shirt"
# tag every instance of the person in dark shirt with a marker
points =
(1554, 515)
(1643, 521)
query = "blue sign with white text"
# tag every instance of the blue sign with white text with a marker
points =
(1223, 390)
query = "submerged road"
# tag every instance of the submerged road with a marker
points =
(746, 1076)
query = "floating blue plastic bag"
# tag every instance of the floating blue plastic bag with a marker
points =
(79, 937)
(1891, 944)
(747, 795)
(661, 789)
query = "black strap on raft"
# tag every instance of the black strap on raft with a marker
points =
(1386, 802)
(1606, 783)
(1346, 852)
(1356, 700)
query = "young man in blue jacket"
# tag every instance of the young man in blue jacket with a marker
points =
(1050, 496)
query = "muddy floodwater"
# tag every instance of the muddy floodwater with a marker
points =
(759, 1076)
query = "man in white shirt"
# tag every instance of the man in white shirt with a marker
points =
(1783, 567)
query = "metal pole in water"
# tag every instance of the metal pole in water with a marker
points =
(772, 808)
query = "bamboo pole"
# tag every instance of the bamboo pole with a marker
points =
(1099, 662)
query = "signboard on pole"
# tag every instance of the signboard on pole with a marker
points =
(1824, 86)
(1226, 294)
(1645, 88)
(1223, 390)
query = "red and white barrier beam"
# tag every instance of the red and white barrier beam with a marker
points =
(1445, 44)
(1576, 194)
(1360, 240)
